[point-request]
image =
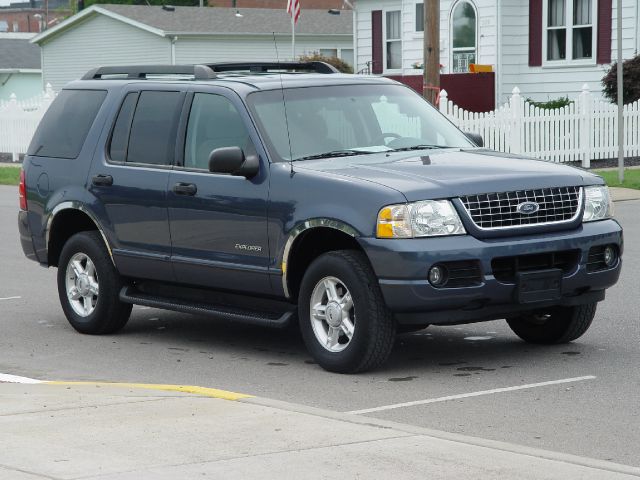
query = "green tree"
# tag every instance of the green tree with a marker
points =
(630, 81)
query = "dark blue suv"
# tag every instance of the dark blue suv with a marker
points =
(269, 193)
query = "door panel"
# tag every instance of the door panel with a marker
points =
(218, 222)
(129, 181)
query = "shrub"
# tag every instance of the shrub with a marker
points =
(551, 104)
(341, 65)
(630, 81)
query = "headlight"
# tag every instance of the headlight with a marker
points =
(597, 203)
(429, 218)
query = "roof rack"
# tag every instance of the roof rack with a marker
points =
(141, 72)
(264, 67)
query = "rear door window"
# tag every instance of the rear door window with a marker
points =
(65, 126)
(153, 130)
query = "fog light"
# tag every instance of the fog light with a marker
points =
(610, 256)
(437, 275)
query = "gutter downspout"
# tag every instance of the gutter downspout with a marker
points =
(173, 41)
(355, 39)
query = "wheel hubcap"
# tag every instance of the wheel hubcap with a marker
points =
(332, 314)
(81, 282)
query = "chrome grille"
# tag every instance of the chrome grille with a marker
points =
(491, 211)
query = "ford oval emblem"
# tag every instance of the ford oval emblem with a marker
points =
(528, 208)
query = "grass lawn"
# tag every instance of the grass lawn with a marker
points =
(9, 175)
(631, 178)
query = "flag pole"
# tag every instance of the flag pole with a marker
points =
(293, 35)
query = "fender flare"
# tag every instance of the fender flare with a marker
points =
(300, 229)
(75, 205)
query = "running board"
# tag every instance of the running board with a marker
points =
(251, 317)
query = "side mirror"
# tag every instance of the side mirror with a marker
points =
(231, 160)
(475, 138)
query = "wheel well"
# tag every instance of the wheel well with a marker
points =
(309, 246)
(66, 224)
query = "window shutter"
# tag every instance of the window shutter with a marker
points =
(535, 33)
(376, 41)
(605, 24)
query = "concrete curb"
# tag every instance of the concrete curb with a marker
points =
(452, 437)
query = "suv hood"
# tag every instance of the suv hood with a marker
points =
(453, 172)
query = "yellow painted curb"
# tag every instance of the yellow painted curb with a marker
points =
(203, 391)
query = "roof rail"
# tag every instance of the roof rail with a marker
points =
(264, 67)
(141, 72)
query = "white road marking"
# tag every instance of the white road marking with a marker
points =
(477, 338)
(10, 298)
(6, 378)
(472, 394)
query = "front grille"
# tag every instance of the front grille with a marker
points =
(505, 269)
(492, 211)
(463, 273)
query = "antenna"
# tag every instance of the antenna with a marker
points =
(284, 105)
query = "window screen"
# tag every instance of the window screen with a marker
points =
(120, 135)
(153, 131)
(213, 123)
(65, 126)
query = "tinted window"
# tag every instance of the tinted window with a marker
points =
(153, 131)
(213, 123)
(120, 135)
(65, 126)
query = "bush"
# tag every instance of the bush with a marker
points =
(630, 81)
(551, 104)
(341, 65)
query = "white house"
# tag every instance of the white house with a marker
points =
(105, 35)
(548, 48)
(20, 72)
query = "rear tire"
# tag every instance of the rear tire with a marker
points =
(559, 325)
(89, 286)
(344, 321)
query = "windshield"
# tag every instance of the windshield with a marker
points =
(344, 120)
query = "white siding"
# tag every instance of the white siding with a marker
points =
(256, 48)
(412, 40)
(99, 41)
(545, 83)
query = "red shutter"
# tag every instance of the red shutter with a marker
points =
(376, 41)
(605, 24)
(535, 33)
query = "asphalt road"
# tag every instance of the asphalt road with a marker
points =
(596, 415)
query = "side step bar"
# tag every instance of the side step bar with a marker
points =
(251, 317)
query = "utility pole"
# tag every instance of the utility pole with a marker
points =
(431, 50)
(620, 97)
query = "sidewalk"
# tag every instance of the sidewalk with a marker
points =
(619, 194)
(109, 432)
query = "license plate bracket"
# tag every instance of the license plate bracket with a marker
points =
(539, 286)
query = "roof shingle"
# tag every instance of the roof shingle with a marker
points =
(19, 53)
(209, 20)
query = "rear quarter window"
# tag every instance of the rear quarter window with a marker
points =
(65, 126)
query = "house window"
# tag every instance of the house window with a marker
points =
(346, 54)
(393, 40)
(463, 36)
(329, 52)
(419, 17)
(570, 29)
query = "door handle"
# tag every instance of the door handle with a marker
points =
(102, 180)
(185, 189)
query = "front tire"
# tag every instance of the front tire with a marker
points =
(559, 325)
(344, 321)
(89, 286)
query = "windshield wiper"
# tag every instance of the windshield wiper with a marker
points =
(418, 147)
(334, 154)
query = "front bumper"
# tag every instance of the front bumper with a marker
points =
(401, 266)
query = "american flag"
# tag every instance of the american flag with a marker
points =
(293, 9)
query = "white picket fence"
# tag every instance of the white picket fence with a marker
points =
(19, 120)
(584, 130)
